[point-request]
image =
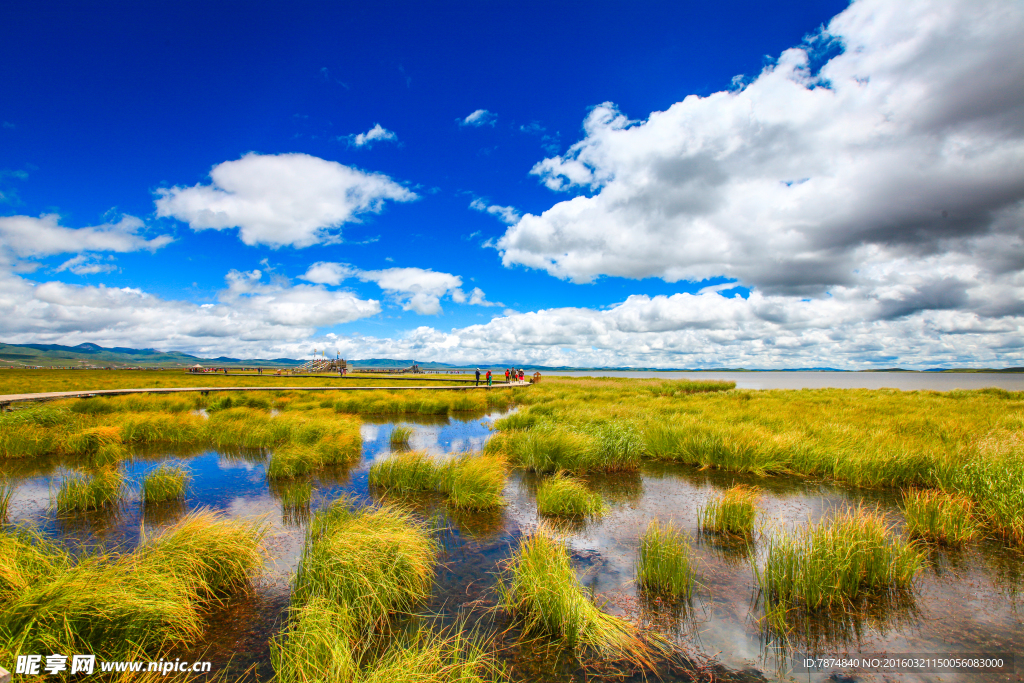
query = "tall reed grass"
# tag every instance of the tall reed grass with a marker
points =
(562, 496)
(835, 561)
(732, 513)
(540, 589)
(664, 564)
(941, 517)
(167, 482)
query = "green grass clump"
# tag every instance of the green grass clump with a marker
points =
(293, 460)
(732, 513)
(213, 555)
(373, 562)
(7, 488)
(940, 517)
(411, 472)
(317, 644)
(435, 656)
(115, 606)
(102, 605)
(664, 565)
(550, 450)
(166, 482)
(400, 437)
(474, 482)
(846, 557)
(541, 591)
(470, 482)
(322, 643)
(563, 496)
(81, 493)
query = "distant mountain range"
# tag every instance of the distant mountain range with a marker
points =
(95, 356)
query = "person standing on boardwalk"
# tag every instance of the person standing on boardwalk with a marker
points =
(478, 376)
(488, 378)
(507, 373)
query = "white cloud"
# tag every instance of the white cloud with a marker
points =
(249, 314)
(85, 264)
(907, 144)
(506, 214)
(29, 237)
(375, 134)
(893, 322)
(281, 200)
(481, 117)
(327, 273)
(415, 289)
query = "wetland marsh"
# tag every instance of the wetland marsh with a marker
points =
(495, 499)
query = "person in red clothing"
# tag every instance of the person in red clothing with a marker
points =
(507, 373)
(488, 378)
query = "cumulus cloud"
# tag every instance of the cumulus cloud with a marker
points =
(481, 117)
(506, 214)
(30, 237)
(281, 200)
(249, 314)
(906, 144)
(414, 289)
(375, 134)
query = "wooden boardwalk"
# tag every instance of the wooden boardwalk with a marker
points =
(8, 399)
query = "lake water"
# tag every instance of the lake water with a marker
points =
(906, 381)
(964, 601)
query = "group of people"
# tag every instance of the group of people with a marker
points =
(511, 374)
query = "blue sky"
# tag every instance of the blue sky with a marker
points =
(673, 184)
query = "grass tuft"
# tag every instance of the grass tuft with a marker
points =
(664, 564)
(317, 644)
(81, 493)
(562, 496)
(474, 482)
(848, 556)
(541, 590)
(213, 555)
(115, 606)
(941, 517)
(732, 513)
(400, 437)
(373, 562)
(7, 488)
(165, 483)
(471, 482)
